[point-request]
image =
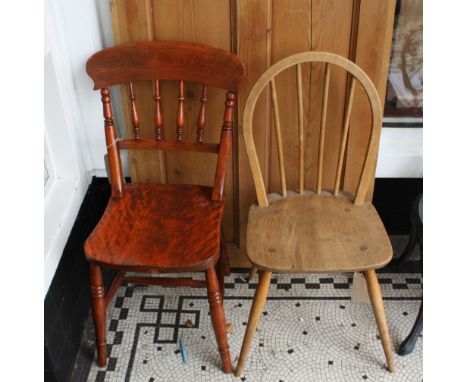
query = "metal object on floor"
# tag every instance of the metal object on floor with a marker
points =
(407, 346)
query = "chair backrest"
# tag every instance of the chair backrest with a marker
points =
(164, 60)
(268, 77)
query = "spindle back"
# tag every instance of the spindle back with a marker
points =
(160, 61)
(354, 73)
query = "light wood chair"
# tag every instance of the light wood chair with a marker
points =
(159, 228)
(315, 230)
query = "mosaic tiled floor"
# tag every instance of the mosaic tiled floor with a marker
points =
(310, 331)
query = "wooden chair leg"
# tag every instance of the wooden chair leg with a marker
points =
(220, 276)
(253, 271)
(224, 258)
(218, 318)
(98, 306)
(257, 307)
(222, 267)
(375, 295)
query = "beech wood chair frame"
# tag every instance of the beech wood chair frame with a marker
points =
(358, 199)
(158, 61)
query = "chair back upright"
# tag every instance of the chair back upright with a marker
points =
(355, 74)
(173, 61)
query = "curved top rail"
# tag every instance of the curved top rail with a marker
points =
(166, 60)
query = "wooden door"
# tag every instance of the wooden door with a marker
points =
(261, 32)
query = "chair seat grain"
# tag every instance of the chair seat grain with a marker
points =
(316, 233)
(159, 226)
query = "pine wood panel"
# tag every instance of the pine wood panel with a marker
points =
(291, 34)
(331, 30)
(126, 29)
(254, 48)
(374, 34)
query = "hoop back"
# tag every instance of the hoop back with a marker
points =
(268, 77)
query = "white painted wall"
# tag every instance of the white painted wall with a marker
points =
(73, 139)
(73, 136)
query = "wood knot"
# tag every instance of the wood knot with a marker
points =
(363, 248)
(347, 209)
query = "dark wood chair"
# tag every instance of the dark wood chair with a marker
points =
(315, 230)
(149, 227)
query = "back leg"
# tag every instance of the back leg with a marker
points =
(252, 273)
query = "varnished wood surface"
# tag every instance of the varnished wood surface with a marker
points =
(160, 227)
(316, 233)
(113, 156)
(218, 319)
(157, 227)
(98, 304)
(116, 282)
(149, 144)
(166, 60)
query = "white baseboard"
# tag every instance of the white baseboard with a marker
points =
(98, 172)
(400, 153)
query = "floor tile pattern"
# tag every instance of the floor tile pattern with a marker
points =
(310, 331)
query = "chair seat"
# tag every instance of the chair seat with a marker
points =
(316, 233)
(158, 227)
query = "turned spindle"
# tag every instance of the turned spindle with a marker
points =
(323, 121)
(135, 118)
(180, 113)
(158, 118)
(201, 115)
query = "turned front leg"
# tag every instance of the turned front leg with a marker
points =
(98, 306)
(218, 318)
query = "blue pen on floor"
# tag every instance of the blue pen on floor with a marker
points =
(183, 351)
